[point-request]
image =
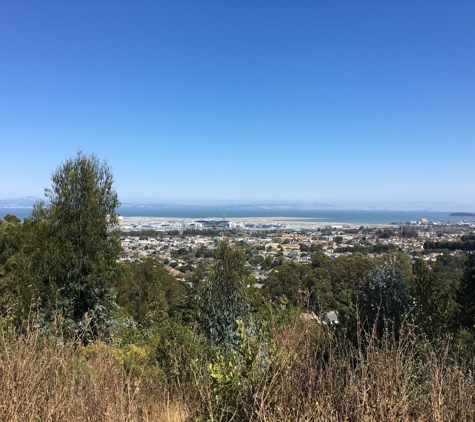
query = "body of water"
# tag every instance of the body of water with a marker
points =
(21, 213)
(344, 216)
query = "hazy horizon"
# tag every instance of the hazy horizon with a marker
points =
(27, 202)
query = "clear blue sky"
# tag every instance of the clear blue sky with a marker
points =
(315, 101)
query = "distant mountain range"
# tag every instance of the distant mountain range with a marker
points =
(429, 206)
(231, 206)
(28, 202)
(25, 202)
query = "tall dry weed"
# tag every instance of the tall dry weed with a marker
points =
(296, 372)
(314, 375)
(42, 379)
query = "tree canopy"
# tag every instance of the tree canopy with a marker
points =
(223, 297)
(73, 246)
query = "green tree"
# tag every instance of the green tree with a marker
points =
(148, 293)
(385, 233)
(433, 305)
(285, 284)
(10, 218)
(223, 297)
(385, 299)
(338, 240)
(466, 295)
(299, 285)
(74, 247)
(13, 265)
(409, 232)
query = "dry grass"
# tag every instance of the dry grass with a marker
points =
(43, 381)
(304, 374)
(315, 376)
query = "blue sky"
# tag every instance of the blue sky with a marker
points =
(256, 101)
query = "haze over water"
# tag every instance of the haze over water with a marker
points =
(343, 216)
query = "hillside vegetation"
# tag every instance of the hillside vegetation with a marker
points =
(84, 337)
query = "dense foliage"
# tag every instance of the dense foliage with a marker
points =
(222, 297)
(68, 250)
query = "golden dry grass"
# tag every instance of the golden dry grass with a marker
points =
(318, 377)
(311, 375)
(44, 381)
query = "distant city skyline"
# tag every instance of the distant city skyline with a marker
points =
(345, 103)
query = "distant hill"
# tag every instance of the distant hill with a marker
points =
(25, 202)
(462, 214)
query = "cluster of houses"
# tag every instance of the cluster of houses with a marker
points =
(184, 252)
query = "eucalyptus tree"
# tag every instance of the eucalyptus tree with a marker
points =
(385, 300)
(466, 295)
(74, 245)
(223, 298)
(12, 264)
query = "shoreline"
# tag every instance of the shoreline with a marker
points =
(293, 221)
(350, 218)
